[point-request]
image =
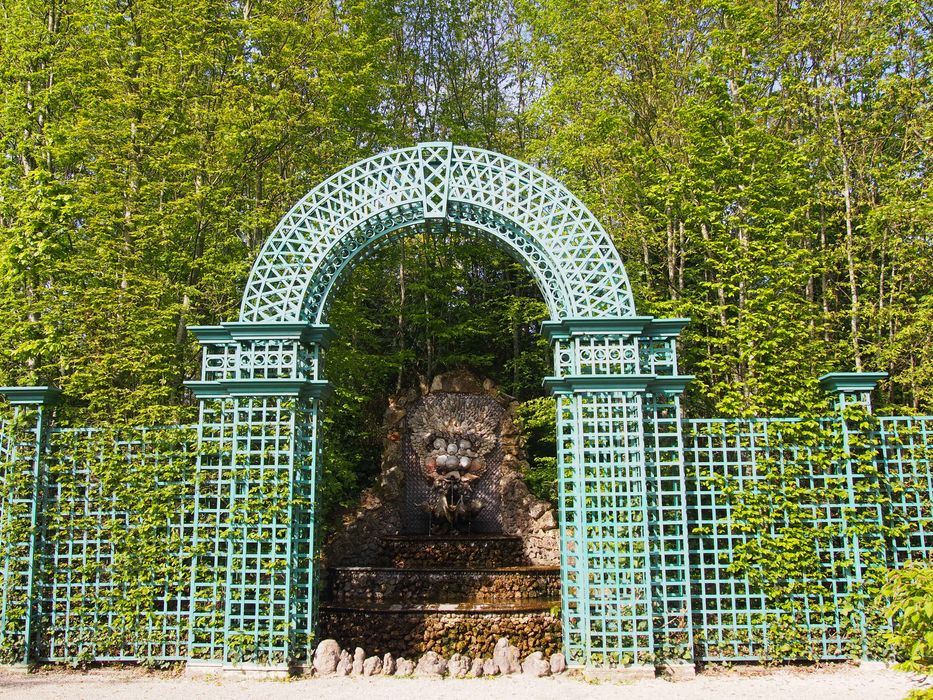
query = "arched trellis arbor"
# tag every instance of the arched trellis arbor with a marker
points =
(625, 588)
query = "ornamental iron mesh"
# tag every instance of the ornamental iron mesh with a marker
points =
(654, 543)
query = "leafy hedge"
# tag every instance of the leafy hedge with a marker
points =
(909, 596)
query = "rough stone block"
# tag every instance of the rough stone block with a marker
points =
(388, 665)
(326, 657)
(558, 663)
(458, 666)
(372, 666)
(359, 656)
(431, 664)
(345, 664)
(535, 665)
(506, 657)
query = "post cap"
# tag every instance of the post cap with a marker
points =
(45, 395)
(851, 382)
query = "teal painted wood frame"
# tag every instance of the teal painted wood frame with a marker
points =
(76, 581)
(615, 377)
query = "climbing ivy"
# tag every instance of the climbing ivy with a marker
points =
(807, 514)
(113, 502)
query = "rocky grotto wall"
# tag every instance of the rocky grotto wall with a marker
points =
(412, 634)
(406, 576)
(386, 509)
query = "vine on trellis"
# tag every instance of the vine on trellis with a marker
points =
(113, 561)
(16, 488)
(816, 512)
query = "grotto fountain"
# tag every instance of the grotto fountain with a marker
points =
(449, 551)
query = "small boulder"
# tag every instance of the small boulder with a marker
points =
(404, 667)
(490, 668)
(558, 663)
(372, 666)
(535, 665)
(388, 665)
(476, 669)
(345, 665)
(458, 666)
(431, 664)
(326, 657)
(359, 656)
(506, 657)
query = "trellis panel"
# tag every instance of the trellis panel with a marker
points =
(82, 587)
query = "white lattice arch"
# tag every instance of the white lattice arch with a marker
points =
(437, 186)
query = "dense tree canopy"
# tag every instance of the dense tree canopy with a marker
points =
(763, 167)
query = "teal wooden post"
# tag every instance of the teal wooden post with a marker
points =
(25, 486)
(625, 577)
(667, 497)
(252, 582)
(850, 390)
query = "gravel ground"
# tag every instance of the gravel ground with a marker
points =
(833, 683)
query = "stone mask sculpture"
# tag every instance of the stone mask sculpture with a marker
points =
(452, 450)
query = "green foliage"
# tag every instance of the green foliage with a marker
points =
(763, 170)
(120, 496)
(782, 544)
(538, 421)
(146, 480)
(149, 150)
(909, 596)
(420, 308)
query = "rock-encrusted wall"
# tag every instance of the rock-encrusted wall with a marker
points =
(356, 585)
(414, 634)
(359, 539)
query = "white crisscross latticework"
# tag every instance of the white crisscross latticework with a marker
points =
(375, 200)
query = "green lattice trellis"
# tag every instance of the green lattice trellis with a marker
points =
(647, 498)
(612, 372)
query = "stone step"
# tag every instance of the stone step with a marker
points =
(505, 607)
(411, 630)
(453, 551)
(455, 585)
